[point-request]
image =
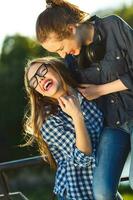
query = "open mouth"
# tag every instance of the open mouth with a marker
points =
(48, 84)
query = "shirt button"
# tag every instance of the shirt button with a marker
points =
(118, 57)
(112, 101)
(118, 122)
(98, 69)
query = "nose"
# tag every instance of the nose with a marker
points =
(39, 79)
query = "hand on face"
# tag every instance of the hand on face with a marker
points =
(90, 91)
(70, 105)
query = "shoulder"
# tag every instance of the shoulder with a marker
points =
(111, 24)
(111, 19)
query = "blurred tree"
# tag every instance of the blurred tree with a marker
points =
(126, 12)
(16, 51)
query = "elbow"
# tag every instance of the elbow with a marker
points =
(87, 151)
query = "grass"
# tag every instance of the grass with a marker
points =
(128, 197)
(126, 192)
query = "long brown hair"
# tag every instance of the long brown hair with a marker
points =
(56, 18)
(40, 107)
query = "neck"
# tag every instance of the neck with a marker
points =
(59, 94)
(85, 33)
(90, 37)
(70, 91)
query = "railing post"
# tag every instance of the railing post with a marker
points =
(4, 184)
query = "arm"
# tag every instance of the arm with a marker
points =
(61, 142)
(83, 142)
(114, 86)
(95, 91)
(70, 105)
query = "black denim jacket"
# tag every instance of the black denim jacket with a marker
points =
(117, 63)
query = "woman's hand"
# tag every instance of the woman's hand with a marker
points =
(70, 105)
(90, 91)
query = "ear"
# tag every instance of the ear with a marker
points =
(71, 28)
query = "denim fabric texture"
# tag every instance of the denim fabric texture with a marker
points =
(112, 153)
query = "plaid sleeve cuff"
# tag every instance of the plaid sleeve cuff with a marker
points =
(81, 159)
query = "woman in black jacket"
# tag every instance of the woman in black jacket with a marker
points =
(98, 52)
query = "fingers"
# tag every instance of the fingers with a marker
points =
(73, 97)
(64, 100)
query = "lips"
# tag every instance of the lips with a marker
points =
(47, 84)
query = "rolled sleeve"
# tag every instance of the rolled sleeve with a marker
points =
(81, 159)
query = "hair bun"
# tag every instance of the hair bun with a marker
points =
(54, 2)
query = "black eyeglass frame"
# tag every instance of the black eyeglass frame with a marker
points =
(45, 66)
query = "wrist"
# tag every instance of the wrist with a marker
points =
(102, 89)
(78, 116)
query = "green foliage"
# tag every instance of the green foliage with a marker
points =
(126, 12)
(126, 191)
(15, 53)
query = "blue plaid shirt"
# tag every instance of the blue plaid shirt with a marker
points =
(74, 168)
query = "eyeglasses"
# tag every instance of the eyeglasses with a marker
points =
(41, 72)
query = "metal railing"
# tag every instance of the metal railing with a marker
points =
(11, 165)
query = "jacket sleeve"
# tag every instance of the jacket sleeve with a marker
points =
(127, 38)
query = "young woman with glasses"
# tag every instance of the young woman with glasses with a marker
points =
(65, 124)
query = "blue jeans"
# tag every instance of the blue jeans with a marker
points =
(112, 153)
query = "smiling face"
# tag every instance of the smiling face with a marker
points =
(45, 80)
(62, 47)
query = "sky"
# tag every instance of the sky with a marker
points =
(20, 16)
